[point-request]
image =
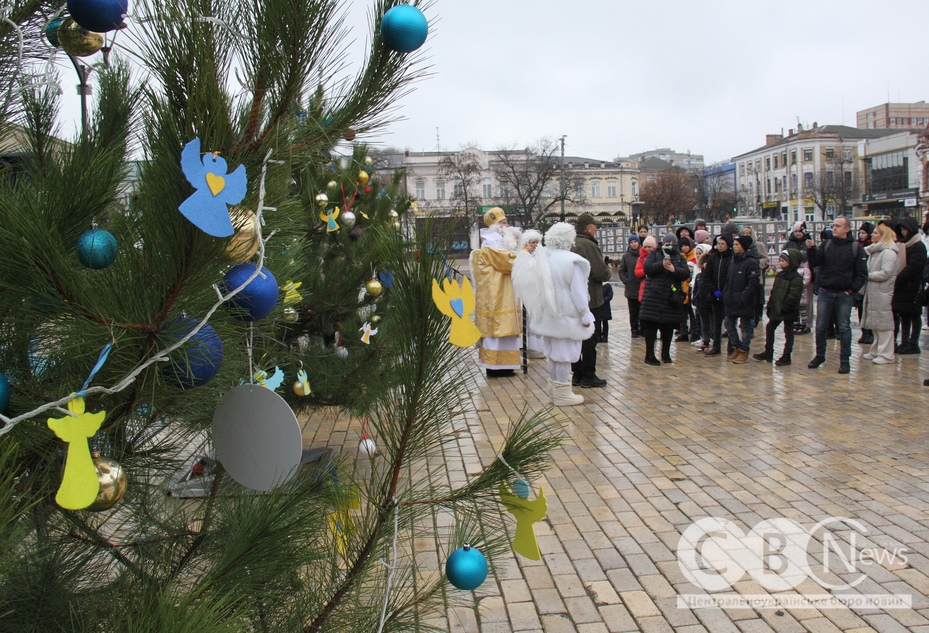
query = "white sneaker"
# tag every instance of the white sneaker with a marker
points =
(882, 361)
(867, 356)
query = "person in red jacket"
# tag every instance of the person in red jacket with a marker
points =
(648, 246)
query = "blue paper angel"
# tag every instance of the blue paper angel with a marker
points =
(207, 207)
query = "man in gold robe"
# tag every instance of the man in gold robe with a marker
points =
(497, 314)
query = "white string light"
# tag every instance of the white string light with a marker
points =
(391, 566)
(162, 355)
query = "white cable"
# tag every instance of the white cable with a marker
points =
(392, 566)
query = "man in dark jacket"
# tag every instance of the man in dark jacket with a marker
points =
(843, 270)
(739, 297)
(631, 283)
(906, 303)
(585, 245)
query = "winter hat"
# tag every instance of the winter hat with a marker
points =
(699, 223)
(634, 238)
(799, 226)
(825, 235)
(744, 240)
(867, 226)
(650, 242)
(702, 248)
(685, 240)
(785, 256)
(668, 237)
(583, 221)
(702, 236)
(731, 227)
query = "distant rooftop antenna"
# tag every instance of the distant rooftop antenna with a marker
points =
(438, 148)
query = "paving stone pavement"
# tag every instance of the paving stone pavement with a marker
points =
(660, 448)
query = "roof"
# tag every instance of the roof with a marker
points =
(654, 164)
(842, 132)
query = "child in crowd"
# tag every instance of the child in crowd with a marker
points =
(783, 305)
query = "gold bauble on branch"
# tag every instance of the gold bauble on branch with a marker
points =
(244, 242)
(363, 177)
(374, 288)
(299, 390)
(290, 315)
(333, 187)
(369, 161)
(322, 200)
(112, 480)
(77, 40)
(392, 213)
(397, 227)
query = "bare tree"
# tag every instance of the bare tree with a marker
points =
(526, 177)
(836, 184)
(668, 197)
(464, 170)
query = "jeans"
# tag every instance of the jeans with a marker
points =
(840, 304)
(746, 327)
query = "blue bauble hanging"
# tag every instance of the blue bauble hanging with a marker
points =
(97, 248)
(466, 568)
(196, 362)
(404, 28)
(98, 16)
(258, 298)
(521, 488)
(51, 31)
(4, 393)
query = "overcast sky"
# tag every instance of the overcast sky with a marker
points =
(620, 77)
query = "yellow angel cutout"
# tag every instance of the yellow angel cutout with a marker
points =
(291, 296)
(79, 484)
(526, 513)
(457, 302)
(329, 219)
(341, 522)
(368, 333)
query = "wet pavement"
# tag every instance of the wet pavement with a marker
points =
(803, 494)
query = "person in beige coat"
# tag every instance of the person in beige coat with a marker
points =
(877, 314)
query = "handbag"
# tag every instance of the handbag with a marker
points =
(678, 296)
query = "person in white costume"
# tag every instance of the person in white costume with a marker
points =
(551, 282)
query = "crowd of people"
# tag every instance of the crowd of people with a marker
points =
(698, 288)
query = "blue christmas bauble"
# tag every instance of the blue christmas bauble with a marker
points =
(98, 16)
(198, 361)
(521, 489)
(97, 248)
(4, 393)
(466, 568)
(258, 298)
(404, 28)
(51, 31)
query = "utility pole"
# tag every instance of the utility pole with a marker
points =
(564, 185)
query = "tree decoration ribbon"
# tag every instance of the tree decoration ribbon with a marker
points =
(215, 189)
(79, 484)
(457, 303)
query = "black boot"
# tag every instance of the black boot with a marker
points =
(783, 360)
(766, 356)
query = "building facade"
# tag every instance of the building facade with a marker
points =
(685, 160)
(890, 171)
(896, 116)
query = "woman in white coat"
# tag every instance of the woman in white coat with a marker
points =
(877, 314)
(551, 282)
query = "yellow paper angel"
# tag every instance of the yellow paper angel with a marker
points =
(329, 218)
(341, 522)
(79, 484)
(457, 303)
(291, 296)
(526, 513)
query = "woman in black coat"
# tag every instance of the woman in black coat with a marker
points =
(712, 282)
(905, 303)
(665, 269)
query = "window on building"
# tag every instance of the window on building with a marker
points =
(767, 163)
(848, 179)
(847, 153)
(775, 161)
(777, 185)
(893, 120)
(810, 213)
(579, 190)
(808, 180)
(611, 191)
(635, 188)
(420, 188)
(808, 154)
(595, 189)
(783, 183)
(830, 178)
(886, 172)
(504, 190)
(784, 159)
(793, 157)
(793, 182)
(830, 152)
(547, 190)
(487, 188)
(741, 169)
(757, 164)
(767, 187)
(439, 189)
(458, 188)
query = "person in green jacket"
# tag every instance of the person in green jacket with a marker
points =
(783, 306)
(586, 245)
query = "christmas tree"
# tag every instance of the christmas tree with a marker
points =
(141, 330)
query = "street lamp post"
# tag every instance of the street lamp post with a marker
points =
(564, 190)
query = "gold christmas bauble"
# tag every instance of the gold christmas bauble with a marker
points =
(244, 242)
(290, 315)
(322, 200)
(299, 390)
(333, 187)
(363, 177)
(368, 160)
(374, 288)
(392, 213)
(375, 319)
(397, 227)
(77, 40)
(112, 480)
